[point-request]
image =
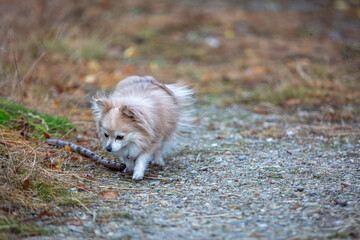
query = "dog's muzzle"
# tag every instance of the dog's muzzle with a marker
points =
(108, 148)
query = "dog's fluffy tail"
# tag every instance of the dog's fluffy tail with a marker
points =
(185, 99)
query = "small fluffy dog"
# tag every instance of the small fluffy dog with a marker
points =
(137, 119)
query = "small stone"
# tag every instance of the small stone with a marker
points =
(79, 137)
(346, 184)
(97, 232)
(212, 42)
(154, 183)
(341, 203)
(299, 189)
(290, 133)
(242, 157)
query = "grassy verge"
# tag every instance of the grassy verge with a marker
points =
(33, 177)
(34, 124)
(11, 228)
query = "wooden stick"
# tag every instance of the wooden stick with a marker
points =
(88, 153)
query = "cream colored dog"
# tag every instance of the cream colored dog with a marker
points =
(137, 119)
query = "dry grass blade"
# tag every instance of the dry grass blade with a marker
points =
(25, 180)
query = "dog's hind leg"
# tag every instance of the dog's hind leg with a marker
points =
(129, 165)
(158, 156)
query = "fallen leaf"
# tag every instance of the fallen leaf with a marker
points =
(33, 234)
(296, 206)
(131, 52)
(94, 66)
(83, 142)
(75, 222)
(107, 175)
(129, 70)
(46, 135)
(42, 213)
(260, 111)
(292, 101)
(154, 66)
(57, 103)
(255, 235)
(80, 186)
(109, 194)
(55, 168)
(26, 184)
(90, 78)
(229, 34)
(341, 5)
(67, 148)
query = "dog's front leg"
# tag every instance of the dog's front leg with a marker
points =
(140, 165)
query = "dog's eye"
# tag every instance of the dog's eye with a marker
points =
(106, 135)
(119, 137)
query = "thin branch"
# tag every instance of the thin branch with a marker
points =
(88, 153)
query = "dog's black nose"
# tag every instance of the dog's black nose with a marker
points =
(108, 148)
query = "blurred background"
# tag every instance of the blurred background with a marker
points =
(285, 54)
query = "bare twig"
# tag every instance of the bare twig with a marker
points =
(224, 215)
(20, 86)
(87, 209)
(161, 202)
(301, 72)
(198, 157)
(88, 153)
(32, 67)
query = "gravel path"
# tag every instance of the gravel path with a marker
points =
(240, 175)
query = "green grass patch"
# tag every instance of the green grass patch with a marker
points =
(56, 194)
(15, 116)
(316, 176)
(126, 215)
(11, 229)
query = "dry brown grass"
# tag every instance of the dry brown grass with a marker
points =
(26, 168)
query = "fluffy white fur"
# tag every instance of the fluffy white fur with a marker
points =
(136, 120)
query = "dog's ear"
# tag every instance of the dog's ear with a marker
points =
(100, 105)
(129, 111)
(135, 113)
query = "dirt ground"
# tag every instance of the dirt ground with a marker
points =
(241, 175)
(274, 153)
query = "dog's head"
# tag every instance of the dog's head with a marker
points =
(119, 126)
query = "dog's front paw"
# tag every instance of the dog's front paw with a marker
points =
(138, 176)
